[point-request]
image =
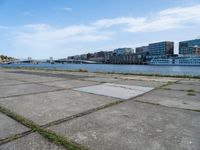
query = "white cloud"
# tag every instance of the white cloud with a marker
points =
(64, 8)
(47, 33)
(36, 27)
(42, 39)
(67, 9)
(163, 20)
(118, 21)
(4, 27)
(38, 40)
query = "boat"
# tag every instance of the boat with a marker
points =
(177, 61)
(187, 61)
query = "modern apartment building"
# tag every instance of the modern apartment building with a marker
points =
(161, 49)
(123, 51)
(132, 58)
(190, 47)
(142, 49)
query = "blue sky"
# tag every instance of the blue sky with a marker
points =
(44, 28)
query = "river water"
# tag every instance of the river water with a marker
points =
(144, 69)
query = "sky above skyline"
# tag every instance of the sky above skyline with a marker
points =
(44, 28)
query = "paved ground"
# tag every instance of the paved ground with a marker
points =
(100, 111)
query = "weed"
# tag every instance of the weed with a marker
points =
(191, 90)
(53, 137)
(191, 94)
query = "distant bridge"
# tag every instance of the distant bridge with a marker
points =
(21, 61)
(71, 61)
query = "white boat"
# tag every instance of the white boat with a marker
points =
(178, 61)
(161, 61)
(187, 61)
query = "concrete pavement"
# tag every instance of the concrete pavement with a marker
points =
(99, 111)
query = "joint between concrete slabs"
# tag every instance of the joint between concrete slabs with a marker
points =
(22, 79)
(155, 104)
(15, 136)
(179, 90)
(81, 114)
(58, 139)
(90, 111)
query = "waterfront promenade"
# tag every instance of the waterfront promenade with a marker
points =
(55, 110)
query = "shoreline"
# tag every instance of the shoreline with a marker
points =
(117, 73)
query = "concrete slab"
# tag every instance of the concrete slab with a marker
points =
(185, 87)
(191, 81)
(132, 125)
(32, 141)
(40, 79)
(48, 107)
(14, 76)
(1, 78)
(150, 78)
(9, 127)
(102, 79)
(88, 74)
(48, 74)
(115, 90)
(170, 98)
(141, 83)
(70, 83)
(4, 82)
(14, 90)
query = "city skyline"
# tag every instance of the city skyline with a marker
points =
(60, 29)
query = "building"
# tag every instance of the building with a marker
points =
(90, 55)
(196, 50)
(30, 58)
(161, 49)
(142, 49)
(131, 58)
(83, 57)
(123, 51)
(190, 47)
(51, 60)
(107, 56)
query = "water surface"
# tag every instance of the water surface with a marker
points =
(145, 69)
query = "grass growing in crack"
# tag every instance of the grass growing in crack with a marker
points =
(59, 140)
(50, 135)
(191, 94)
(191, 90)
(197, 110)
(165, 88)
(18, 118)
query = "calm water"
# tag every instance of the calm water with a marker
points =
(169, 70)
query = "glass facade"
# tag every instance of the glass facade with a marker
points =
(189, 47)
(161, 48)
(123, 51)
(142, 49)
